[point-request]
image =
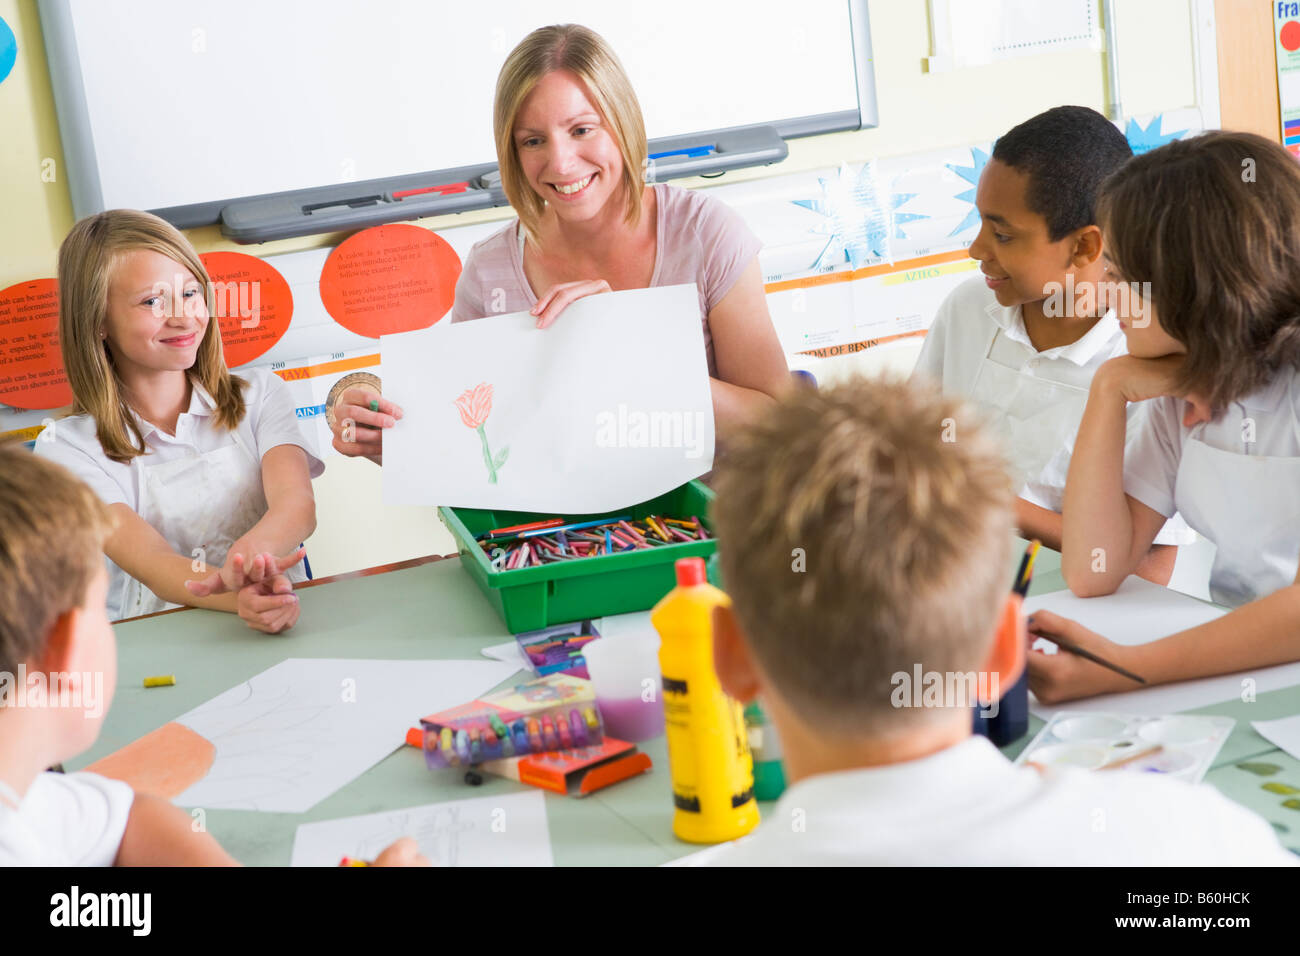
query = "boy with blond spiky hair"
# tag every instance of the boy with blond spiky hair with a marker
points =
(901, 505)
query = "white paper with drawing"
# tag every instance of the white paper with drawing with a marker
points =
(505, 830)
(1140, 612)
(295, 733)
(608, 407)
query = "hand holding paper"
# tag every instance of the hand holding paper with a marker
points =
(609, 407)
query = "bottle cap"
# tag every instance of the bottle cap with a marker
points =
(690, 572)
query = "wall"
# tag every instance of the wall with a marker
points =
(918, 111)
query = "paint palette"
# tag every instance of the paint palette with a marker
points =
(1179, 745)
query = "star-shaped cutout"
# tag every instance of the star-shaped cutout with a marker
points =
(858, 225)
(1144, 139)
(978, 160)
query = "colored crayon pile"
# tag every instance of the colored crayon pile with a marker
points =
(492, 738)
(544, 542)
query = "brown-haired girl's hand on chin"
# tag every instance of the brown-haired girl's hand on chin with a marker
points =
(269, 606)
(352, 415)
(1064, 676)
(1140, 379)
(560, 297)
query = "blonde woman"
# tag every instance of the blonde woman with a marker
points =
(206, 473)
(571, 146)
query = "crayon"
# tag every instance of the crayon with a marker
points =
(163, 680)
(520, 736)
(578, 727)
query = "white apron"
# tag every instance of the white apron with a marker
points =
(201, 502)
(1036, 418)
(1249, 506)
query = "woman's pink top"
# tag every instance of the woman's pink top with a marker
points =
(700, 240)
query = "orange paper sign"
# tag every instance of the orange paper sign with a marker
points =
(251, 300)
(386, 279)
(31, 365)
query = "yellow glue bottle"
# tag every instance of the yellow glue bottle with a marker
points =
(708, 746)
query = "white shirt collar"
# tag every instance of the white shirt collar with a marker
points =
(1268, 398)
(1011, 320)
(201, 404)
(974, 764)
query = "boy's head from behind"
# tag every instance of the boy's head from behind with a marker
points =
(53, 617)
(1037, 201)
(863, 530)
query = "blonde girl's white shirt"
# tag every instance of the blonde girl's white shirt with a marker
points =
(958, 344)
(75, 819)
(970, 806)
(269, 420)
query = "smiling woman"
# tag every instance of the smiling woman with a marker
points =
(199, 467)
(571, 145)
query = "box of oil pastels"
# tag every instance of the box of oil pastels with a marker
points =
(1180, 745)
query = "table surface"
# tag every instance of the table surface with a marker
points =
(423, 611)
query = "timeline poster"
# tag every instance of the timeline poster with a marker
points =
(1286, 31)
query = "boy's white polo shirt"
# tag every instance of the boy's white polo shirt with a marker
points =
(970, 806)
(980, 349)
(74, 819)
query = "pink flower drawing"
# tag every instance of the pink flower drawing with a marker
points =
(475, 405)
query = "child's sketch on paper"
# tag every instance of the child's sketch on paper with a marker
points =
(287, 738)
(475, 405)
(503, 830)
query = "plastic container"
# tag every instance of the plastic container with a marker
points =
(557, 712)
(529, 599)
(769, 771)
(624, 673)
(708, 747)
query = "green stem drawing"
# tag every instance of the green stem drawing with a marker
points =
(487, 457)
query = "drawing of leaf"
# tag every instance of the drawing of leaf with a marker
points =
(501, 456)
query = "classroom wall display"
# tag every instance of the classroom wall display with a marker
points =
(1286, 29)
(389, 279)
(8, 49)
(974, 32)
(250, 300)
(31, 363)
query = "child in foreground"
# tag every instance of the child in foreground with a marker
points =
(54, 626)
(906, 545)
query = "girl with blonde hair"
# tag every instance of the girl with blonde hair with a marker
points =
(206, 473)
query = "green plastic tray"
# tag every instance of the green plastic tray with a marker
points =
(531, 598)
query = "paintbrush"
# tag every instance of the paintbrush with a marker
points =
(1132, 757)
(1078, 651)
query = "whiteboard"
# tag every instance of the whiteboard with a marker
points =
(173, 103)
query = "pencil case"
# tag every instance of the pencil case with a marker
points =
(556, 712)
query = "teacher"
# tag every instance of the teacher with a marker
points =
(571, 146)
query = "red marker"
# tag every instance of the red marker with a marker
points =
(446, 189)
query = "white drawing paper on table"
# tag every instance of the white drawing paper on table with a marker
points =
(608, 407)
(1140, 612)
(507, 830)
(508, 652)
(1283, 733)
(292, 735)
